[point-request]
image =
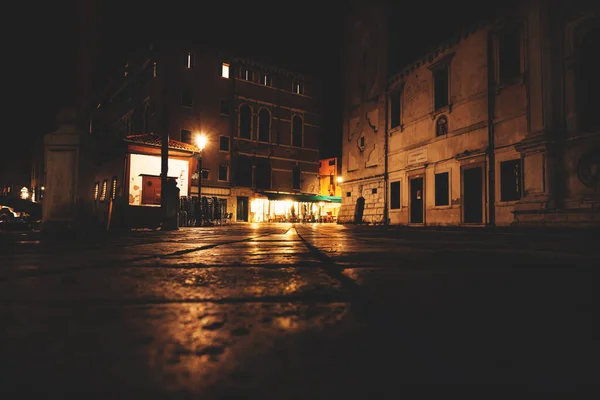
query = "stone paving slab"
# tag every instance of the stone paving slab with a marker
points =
(295, 312)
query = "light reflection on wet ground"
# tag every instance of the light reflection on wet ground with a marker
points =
(252, 310)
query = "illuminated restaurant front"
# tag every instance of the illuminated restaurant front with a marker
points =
(294, 207)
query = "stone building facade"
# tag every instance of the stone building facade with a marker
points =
(493, 127)
(261, 122)
(363, 137)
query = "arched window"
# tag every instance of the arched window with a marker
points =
(246, 121)
(244, 171)
(264, 125)
(441, 126)
(297, 131)
(263, 174)
(296, 177)
(589, 81)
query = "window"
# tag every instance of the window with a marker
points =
(348, 194)
(223, 172)
(362, 141)
(205, 173)
(297, 131)
(440, 87)
(224, 143)
(263, 174)
(265, 79)
(588, 82)
(189, 60)
(225, 107)
(442, 189)
(246, 74)
(225, 70)
(395, 195)
(113, 188)
(298, 87)
(509, 55)
(187, 100)
(96, 190)
(246, 121)
(395, 110)
(244, 171)
(103, 193)
(332, 162)
(441, 126)
(374, 191)
(296, 177)
(264, 125)
(510, 180)
(186, 136)
(154, 69)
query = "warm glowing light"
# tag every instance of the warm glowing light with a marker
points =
(201, 141)
(225, 70)
(321, 203)
(340, 179)
(24, 193)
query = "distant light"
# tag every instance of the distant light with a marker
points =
(340, 179)
(225, 70)
(43, 188)
(24, 193)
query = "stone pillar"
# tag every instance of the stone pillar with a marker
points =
(68, 152)
(61, 159)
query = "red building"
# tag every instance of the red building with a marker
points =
(260, 123)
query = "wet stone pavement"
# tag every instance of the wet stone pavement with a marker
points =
(297, 312)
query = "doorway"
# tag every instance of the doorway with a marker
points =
(151, 189)
(242, 209)
(416, 200)
(473, 195)
(359, 210)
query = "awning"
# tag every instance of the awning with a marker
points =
(300, 197)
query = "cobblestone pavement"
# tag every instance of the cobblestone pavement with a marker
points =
(297, 311)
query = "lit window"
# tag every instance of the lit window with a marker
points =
(96, 190)
(113, 189)
(205, 173)
(189, 60)
(225, 70)
(104, 187)
(246, 74)
(298, 87)
(154, 69)
(265, 79)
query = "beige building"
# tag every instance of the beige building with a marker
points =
(493, 127)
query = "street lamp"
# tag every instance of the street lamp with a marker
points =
(340, 179)
(200, 143)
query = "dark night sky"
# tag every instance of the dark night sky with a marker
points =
(306, 37)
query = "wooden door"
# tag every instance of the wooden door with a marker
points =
(151, 190)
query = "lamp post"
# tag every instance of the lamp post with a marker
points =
(200, 143)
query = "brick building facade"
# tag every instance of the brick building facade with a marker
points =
(493, 127)
(261, 122)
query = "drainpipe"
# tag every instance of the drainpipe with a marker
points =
(385, 158)
(491, 88)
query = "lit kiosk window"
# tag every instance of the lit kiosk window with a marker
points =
(225, 70)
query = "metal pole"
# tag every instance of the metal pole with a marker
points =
(199, 209)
